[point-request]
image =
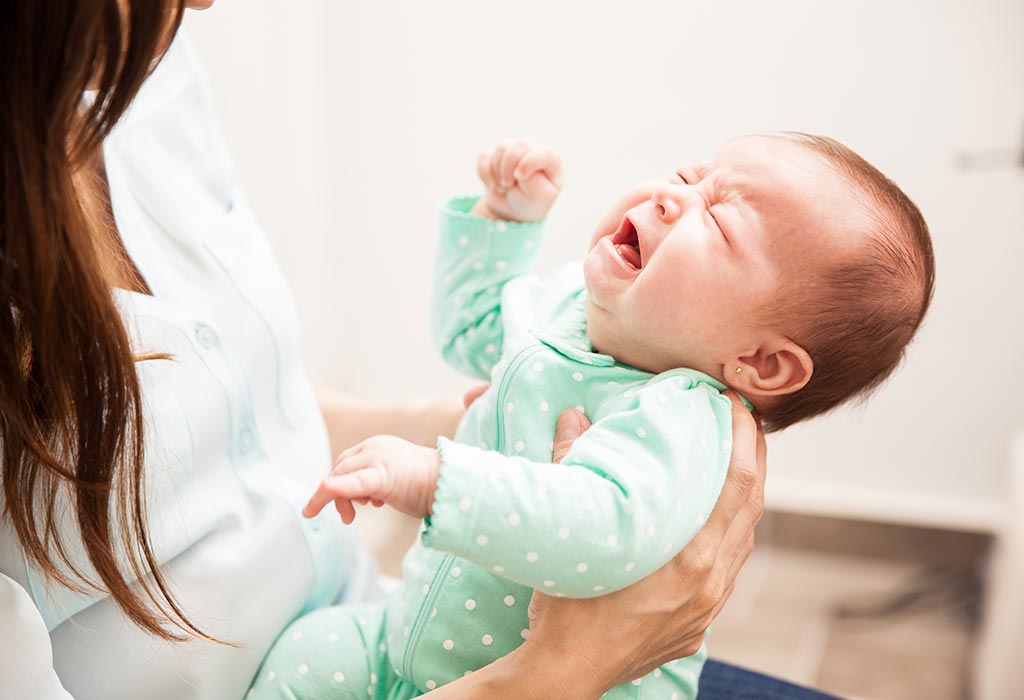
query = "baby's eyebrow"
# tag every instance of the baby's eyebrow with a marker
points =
(730, 184)
(690, 172)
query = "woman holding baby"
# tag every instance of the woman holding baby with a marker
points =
(159, 434)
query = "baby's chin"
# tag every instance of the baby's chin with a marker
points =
(608, 338)
(598, 322)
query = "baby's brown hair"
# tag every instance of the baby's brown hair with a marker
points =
(856, 319)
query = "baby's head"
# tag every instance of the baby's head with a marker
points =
(786, 266)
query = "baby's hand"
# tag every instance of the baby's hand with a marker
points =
(382, 469)
(523, 179)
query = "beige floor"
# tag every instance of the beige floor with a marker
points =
(782, 617)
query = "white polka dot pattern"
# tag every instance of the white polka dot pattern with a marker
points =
(539, 526)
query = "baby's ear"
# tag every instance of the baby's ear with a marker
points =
(777, 367)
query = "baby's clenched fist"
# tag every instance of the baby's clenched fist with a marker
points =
(522, 178)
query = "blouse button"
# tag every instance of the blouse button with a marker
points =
(246, 440)
(206, 336)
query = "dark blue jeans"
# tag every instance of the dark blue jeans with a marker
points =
(721, 681)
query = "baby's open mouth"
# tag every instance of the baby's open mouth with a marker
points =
(627, 244)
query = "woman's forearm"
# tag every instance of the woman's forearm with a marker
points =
(350, 420)
(523, 676)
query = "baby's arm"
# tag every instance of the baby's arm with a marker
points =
(484, 244)
(630, 493)
(628, 496)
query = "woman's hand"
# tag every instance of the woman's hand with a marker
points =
(664, 616)
(579, 649)
(525, 676)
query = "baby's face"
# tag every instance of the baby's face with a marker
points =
(679, 268)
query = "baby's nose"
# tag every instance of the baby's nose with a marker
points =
(668, 202)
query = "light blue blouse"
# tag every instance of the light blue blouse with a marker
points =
(234, 439)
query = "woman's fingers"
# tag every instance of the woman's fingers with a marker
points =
(745, 477)
(473, 394)
(762, 450)
(717, 551)
(738, 542)
(721, 603)
(665, 615)
(742, 553)
(739, 538)
(571, 424)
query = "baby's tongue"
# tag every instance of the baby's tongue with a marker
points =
(629, 253)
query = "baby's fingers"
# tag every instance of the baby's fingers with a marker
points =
(495, 164)
(360, 484)
(347, 455)
(513, 153)
(345, 509)
(483, 168)
(537, 159)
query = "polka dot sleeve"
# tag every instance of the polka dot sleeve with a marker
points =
(629, 495)
(475, 260)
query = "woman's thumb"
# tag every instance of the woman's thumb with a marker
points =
(571, 424)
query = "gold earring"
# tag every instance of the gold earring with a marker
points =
(739, 370)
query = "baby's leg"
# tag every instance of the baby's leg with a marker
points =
(336, 653)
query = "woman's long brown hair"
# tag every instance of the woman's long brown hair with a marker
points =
(71, 419)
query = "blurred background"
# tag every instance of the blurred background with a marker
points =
(891, 562)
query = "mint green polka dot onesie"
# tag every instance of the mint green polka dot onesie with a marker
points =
(627, 497)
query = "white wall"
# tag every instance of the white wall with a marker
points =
(350, 121)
